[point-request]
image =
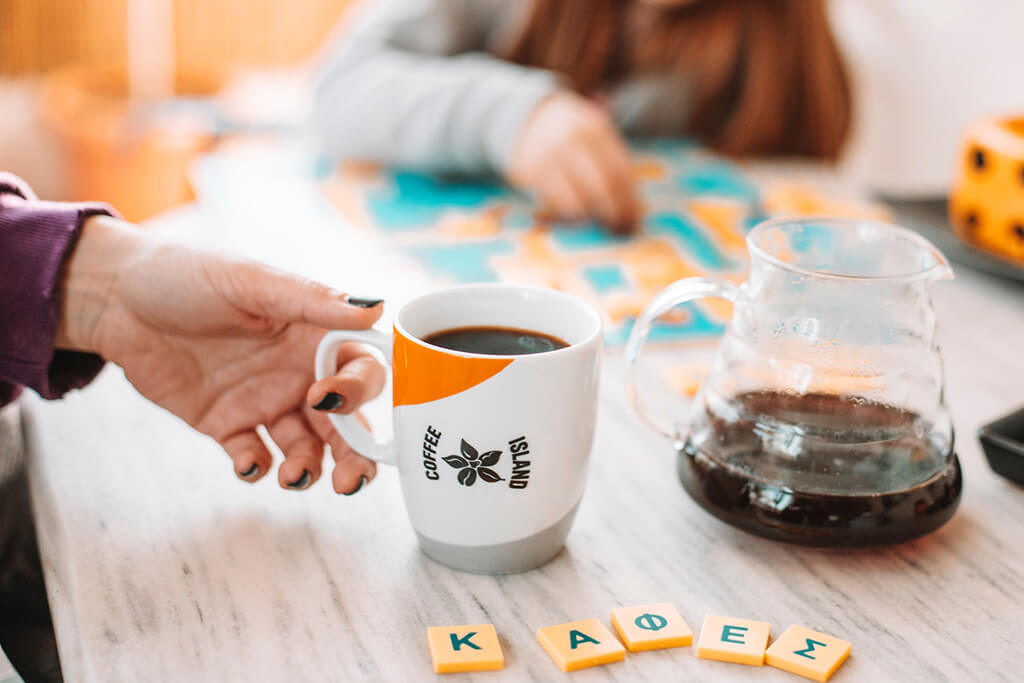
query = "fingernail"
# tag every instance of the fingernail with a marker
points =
(331, 401)
(302, 482)
(362, 480)
(251, 472)
(362, 302)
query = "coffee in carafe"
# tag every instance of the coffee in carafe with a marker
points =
(823, 420)
(883, 483)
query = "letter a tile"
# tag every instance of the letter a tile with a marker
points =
(740, 641)
(465, 648)
(807, 653)
(651, 627)
(579, 644)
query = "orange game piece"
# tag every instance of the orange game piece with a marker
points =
(728, 639)
(465, 648)
(580, 644)
(807, 653)
(651, 627)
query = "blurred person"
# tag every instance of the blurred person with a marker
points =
(542, 92)
(223, 343)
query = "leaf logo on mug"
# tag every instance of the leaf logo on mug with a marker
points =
(472, 465)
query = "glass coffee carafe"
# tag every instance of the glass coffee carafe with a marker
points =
(823, 420)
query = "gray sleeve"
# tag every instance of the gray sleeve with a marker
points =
(411, 85)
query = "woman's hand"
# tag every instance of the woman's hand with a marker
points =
(224, 343)
(571, 154)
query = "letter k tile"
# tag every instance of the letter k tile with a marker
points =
(465, 648)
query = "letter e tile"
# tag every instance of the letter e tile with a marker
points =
(807, 653)
(579, 644)
(651, 627)
(465, 648)
(741, 641)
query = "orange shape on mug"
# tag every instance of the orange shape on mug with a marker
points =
(423, 374)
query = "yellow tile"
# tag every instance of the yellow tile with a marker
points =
(465, 648)
(580, 644)
(726, 639)
(651, 627)
(808, 653)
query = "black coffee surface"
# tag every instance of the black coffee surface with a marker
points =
(495, 341)
(820, 470)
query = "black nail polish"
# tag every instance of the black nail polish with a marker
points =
(331, 401)
(362, 302)
(302, 482)
(362, 480)
(251, 472)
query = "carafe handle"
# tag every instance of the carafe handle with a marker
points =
(677, 293)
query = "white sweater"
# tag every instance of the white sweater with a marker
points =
(416, 83)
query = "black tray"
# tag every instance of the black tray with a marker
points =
(1003, 443)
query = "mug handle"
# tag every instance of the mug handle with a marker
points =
(678, 292)
(355, 434)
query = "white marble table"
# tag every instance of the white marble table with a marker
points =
(161, 566)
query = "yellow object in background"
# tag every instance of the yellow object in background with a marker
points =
(579, 644)
(986, 204)
(465, 648)
(807, 653)
(651, 627)
(740, 641)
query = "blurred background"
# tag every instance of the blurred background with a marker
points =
(110, 99)
(39, 35)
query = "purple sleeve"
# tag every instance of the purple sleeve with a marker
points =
(35, 239)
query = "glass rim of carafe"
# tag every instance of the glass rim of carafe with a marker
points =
(939, 270)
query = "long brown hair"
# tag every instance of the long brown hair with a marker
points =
(766, 76)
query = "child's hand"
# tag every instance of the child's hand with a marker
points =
(571, 154)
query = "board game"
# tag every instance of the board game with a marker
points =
(698, 208)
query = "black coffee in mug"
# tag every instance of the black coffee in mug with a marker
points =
(495, 341)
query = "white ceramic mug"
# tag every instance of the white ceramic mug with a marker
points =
(491, 450)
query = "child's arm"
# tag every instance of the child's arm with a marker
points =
(412, 85)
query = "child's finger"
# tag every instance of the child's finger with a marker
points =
(560, 195)
(597, 186)
(614, 159)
